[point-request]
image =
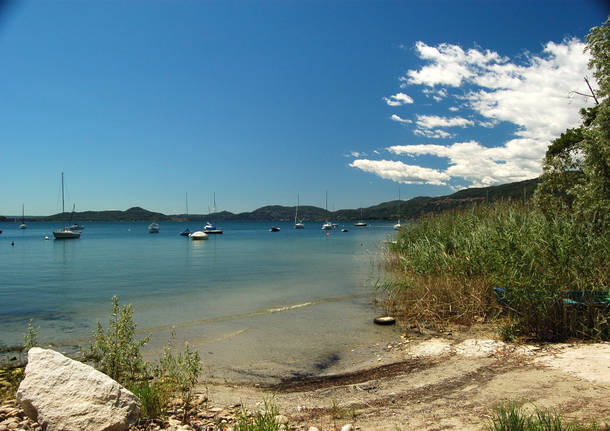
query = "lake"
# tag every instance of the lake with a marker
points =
(256, 304)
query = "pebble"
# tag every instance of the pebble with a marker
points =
(281, 420)
(313, 429)
(347, 427)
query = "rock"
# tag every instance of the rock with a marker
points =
(313, 429)
(347, 427)
(281, 420)
(62, 394)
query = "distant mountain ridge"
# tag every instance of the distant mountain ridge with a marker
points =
(411, 208)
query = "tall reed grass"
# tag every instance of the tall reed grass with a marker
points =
(445, 268)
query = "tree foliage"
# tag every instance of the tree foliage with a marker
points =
(576, 173)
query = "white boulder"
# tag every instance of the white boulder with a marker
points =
(62, 395)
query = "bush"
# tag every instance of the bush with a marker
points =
(514, 418)
(30, 339)
(260, 421)
(116, 351)
(179, 372)
(153, 397)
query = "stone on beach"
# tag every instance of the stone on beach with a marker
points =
(62, 394)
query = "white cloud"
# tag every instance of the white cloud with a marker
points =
(434, 133)
(481, 165)
(531, 93)
(431, 121)
(355, 154)
(487, 124)
(449, 64)
(398, 99)
(401, 172)
(396, 118)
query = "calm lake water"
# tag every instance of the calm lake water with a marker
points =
(255, 303)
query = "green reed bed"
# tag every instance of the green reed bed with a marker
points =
(444, 268)
(513, 417)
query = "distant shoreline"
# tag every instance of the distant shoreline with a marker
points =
(391, 210)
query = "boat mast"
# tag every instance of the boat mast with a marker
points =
(296, 212)
(187, 204)
(62, 193)
(399, 204)
(326, 206)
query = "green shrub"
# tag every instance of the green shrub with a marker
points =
(262, 420)
(512, 417)
(30, 339)
(153, 397)
(179, 372)
(116, 351)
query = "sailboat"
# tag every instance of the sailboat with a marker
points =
(22, 225)
(209, 228)
(75, 226)
(154, 228)
(65, 232)
(187, 231)
(298, 224)
(361, 223)
(327, 225)
(397, 226)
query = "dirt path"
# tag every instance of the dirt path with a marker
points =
(440, 384)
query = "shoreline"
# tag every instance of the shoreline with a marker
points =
(429, 382)
(441, 381)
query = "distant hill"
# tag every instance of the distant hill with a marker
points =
(411, 208)
(132, 214)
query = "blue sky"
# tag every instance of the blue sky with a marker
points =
(139, 102)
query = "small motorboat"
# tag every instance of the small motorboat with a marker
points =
(186, 232)
(66, 233)
(209, 228)
(360, 224)
(344, 230)
(199, 235)
(76, 226)
(153, 228)
(274, 229)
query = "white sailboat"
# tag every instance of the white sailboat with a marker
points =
(209, 228)
(327, 225)
(298, 224)
(65, 232)
(397, 226)
(187, 231)
(153, 228)
(22, 225)
(361, 223)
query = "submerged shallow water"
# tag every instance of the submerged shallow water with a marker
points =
(256, 304)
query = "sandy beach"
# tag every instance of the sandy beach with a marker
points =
(446, 381)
